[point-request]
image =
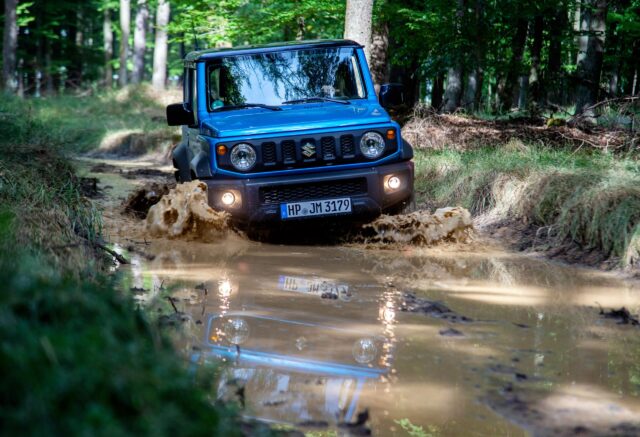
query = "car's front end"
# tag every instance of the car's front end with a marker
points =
(286, 133)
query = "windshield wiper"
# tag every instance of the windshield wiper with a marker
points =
(317, 99)
(247, 105)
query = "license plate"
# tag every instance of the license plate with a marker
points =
(313, 286)
(315, 208)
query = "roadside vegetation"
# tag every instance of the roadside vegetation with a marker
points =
(76, 357)
(561, 197)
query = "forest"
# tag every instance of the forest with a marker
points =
(524, 120)
(465, 55)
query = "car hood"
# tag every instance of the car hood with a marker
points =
(293, 118)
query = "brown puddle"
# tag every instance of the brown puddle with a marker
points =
(317, 334)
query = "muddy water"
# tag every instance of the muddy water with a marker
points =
(317, 334)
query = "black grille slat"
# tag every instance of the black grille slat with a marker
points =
(347, 146)
(288, 151)
(328, 148)
(312, 191)
(305, 150)
(269, 156)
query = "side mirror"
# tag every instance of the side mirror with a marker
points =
(177, 115)
(391, 95)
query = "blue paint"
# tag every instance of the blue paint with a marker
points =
(275, 74)
(277, 360)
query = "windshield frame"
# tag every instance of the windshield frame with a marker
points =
(216, 61)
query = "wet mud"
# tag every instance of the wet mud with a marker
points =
(452, 338)
(141, 200)
(185, 212)
(422, 228)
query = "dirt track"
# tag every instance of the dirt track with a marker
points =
(459, 338)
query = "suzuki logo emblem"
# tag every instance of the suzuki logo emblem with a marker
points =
(308, 150)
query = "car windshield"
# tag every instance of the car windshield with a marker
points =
(287, 77)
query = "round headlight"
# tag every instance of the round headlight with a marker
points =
(243, 156)
(372, 145)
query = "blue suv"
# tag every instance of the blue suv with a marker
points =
(291, 131)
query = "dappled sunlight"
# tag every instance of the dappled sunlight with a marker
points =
(587, 405)
(500, 295)
(607, 297)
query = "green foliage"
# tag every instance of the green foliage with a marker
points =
(76, 357)
(236, 22)
(417, 431)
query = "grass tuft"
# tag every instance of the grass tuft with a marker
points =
(592, 199)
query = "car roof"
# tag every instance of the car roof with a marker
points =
(266, 48)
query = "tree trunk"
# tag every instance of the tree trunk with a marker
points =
(437, 91)
(475, 79)
(535, 76)
(553, 78)
(471, 89)
(160, 49)
(380, 55)
(107, 31)
(581, 26)
(590, 68)
(301, 29)
(509, 91)
(453, 92)
(140, 41)
(125, 30)
(9, 47)
(48, 67)
(357, 23)
(635, 60)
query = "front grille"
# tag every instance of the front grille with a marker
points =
(347, 146)
(313, 191)
(269, 153)
(288, 151)
(328, 148)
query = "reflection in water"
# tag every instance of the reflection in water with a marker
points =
(317, 334)
(236, 330)
(365, 350)
(275, 78)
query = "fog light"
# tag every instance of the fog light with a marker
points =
(393, 183)
(228, 198)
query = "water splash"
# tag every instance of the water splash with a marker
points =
(185, 212)
(422, 228)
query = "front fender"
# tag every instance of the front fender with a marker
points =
(200, 165)
(181, 163)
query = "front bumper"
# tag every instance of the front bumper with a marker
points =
(251, 206)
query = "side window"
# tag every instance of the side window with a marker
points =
(215, 95)
(186, 89)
